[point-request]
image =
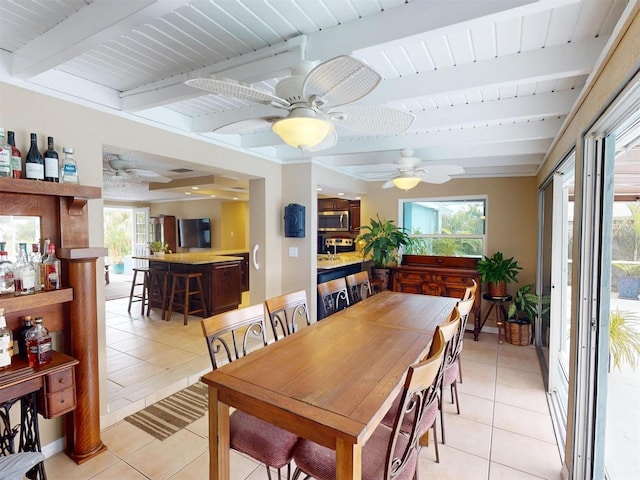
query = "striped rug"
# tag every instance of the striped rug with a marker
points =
(166, 417)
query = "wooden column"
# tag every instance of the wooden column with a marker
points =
(83, 425)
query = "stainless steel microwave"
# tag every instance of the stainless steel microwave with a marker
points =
(333, 221)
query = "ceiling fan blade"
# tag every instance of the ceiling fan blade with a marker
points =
(235, 89)
(388, 184)
(339, 81)
(440, 170)
(437, 179)
(147, 175)
(373, 119)
(252, 125)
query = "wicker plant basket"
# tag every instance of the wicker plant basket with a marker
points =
(497, 290)
(517, 333)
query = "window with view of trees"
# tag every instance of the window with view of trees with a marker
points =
(452, 227)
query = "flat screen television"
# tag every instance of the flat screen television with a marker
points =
(194, 232)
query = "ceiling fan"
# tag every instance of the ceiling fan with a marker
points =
(315, 100)
(412, 170)
(122, 169)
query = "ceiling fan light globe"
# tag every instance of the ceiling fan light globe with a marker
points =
(302, 132)
(405, 182)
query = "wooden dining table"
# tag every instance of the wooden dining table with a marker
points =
(331, 382)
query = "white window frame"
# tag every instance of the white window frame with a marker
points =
(482, 237)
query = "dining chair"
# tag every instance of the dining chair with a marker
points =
(14, 466)
(464, 307)
(442, 339)
(359, 286)
(333, 296)
(470, 291)
(390, 452)
(233, 335)
(451, 359)
(286, 313)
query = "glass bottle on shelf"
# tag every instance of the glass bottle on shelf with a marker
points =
(22, 337)
(69, 168)
(6, 271)
(5, 156)
(6, 342)
(51, 269)
(16, 157)
(36, 260)
(39, 344)
(24, 273)
(33, 162)
(51, 167)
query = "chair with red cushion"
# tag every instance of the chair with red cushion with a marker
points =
(232, 335)
(443, 338)
(391, 453)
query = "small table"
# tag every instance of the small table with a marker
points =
(501, 313)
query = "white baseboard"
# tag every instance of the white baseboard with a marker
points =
(53, 448)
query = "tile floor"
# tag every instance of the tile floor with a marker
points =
(504, 430)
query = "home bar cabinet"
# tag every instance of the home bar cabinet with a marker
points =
(62, 210)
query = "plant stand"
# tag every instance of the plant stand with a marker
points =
(517, 333)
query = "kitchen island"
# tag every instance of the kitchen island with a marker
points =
(221, 275)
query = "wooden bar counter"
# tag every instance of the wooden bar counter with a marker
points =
(221, 275)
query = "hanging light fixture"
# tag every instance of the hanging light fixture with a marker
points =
(406, 182)
(302, 128)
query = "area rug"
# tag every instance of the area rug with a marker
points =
(171, 414)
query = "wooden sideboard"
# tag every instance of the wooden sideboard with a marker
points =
(439, 275)
(62, 210)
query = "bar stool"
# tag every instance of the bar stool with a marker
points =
(157, 291)
(143, 295)
(185, 292)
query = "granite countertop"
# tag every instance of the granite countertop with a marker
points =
(343, 260)
(192, 258)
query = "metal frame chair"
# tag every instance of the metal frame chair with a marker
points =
(285, 310)
(231, 333)
(359, 286)
(333, 296)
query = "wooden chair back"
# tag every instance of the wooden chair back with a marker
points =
(235, 333)
(419, 392)
(470, 291)
(286, 313)
(333, 296)
(359, 286)
(464, 308)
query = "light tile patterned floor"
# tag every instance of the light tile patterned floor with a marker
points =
(504, 430)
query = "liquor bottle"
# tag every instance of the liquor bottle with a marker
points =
(5, 156)
(33, 162)
(6, 342)
(22, 337)
(51, 269)
(16, 157)
(39, 344)
(23, 273)
(6, 272)
(69, 168)
(51, 167)
(36, 260)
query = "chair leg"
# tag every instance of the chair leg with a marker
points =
(185, 307)
(268, 471)
(202, 303)
(441, 416)
(460, 367)
(133, 286)
(173, 292)
(435, 441)
(454, 385)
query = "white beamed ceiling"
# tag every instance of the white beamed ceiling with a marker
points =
(489, 82)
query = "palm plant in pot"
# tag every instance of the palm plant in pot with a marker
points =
(498, 271)
(382, 240)
(522, 313)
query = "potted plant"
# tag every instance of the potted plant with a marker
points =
(498, 271)
(382, 240)
(158, 248)
(628, 280)
(117, 233)
(624, 339)
(522, 313)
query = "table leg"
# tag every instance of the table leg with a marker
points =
(218, 437)
(348, 460)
